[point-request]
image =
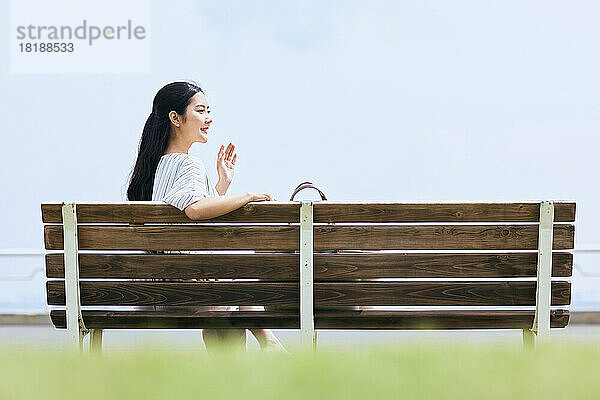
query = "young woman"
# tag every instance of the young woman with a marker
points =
(164, 171)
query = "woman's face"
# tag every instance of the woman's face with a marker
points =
(197, 121)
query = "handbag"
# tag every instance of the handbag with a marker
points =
(307, 185)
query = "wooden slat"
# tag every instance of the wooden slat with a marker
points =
(182, 320)
(284, 212)
(438, 237)
(403, 293)
(362, 237)
(342, 319)
(326, 266)
(436, 265)
(178, 237)
(158, 212)
(446, 319)
(438, 212)
(119, 293)
(181, 266)
(510, 293)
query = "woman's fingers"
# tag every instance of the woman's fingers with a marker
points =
(229, 151)
(263, 197)
(234, 158)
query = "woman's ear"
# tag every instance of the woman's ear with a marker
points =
(174, 118)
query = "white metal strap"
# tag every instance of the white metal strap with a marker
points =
(307, 323)
(75, 326)
(541, 323)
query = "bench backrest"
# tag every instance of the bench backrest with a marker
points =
(437, 257)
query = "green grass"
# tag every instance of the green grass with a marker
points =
(561, 371)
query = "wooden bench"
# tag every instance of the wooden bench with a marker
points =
(312, 264)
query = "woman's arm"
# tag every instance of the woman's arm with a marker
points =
(214, 206)
(222, 186)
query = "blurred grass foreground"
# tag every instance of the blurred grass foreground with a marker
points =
(424, 371)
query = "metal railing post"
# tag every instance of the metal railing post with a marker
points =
(543, 298)
(307, 322)
(75, 328)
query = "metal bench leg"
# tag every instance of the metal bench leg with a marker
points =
(308, 337)
(528, 339)
(541, 323)
(76, 330)
(96, 340)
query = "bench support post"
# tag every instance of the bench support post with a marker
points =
(96, 340)
(543, 299)
(75, 327)
(528, 339)
(307, 322)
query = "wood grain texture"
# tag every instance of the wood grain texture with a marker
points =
(158, 212)
(402, 293)
(342, 319)
(178, 237)
(331, 212)
(435, 265)
(182, 266)
(120, 293)
(437, 237)
(284, 212)
(435, 319)
(326, 266)
(331, 237)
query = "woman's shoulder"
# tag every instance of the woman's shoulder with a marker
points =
(180, 157)
(194, 159)
(180, 166)
(172, 160)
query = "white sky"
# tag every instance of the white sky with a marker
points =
(380, 100)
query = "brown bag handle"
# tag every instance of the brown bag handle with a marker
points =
(307, 185)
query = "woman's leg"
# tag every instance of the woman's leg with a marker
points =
(265, 337)
(216, 339)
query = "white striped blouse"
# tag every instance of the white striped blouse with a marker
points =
(181, 180)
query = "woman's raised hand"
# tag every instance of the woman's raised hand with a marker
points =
(226, 163)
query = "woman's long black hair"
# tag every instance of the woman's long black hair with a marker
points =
(155, 137)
